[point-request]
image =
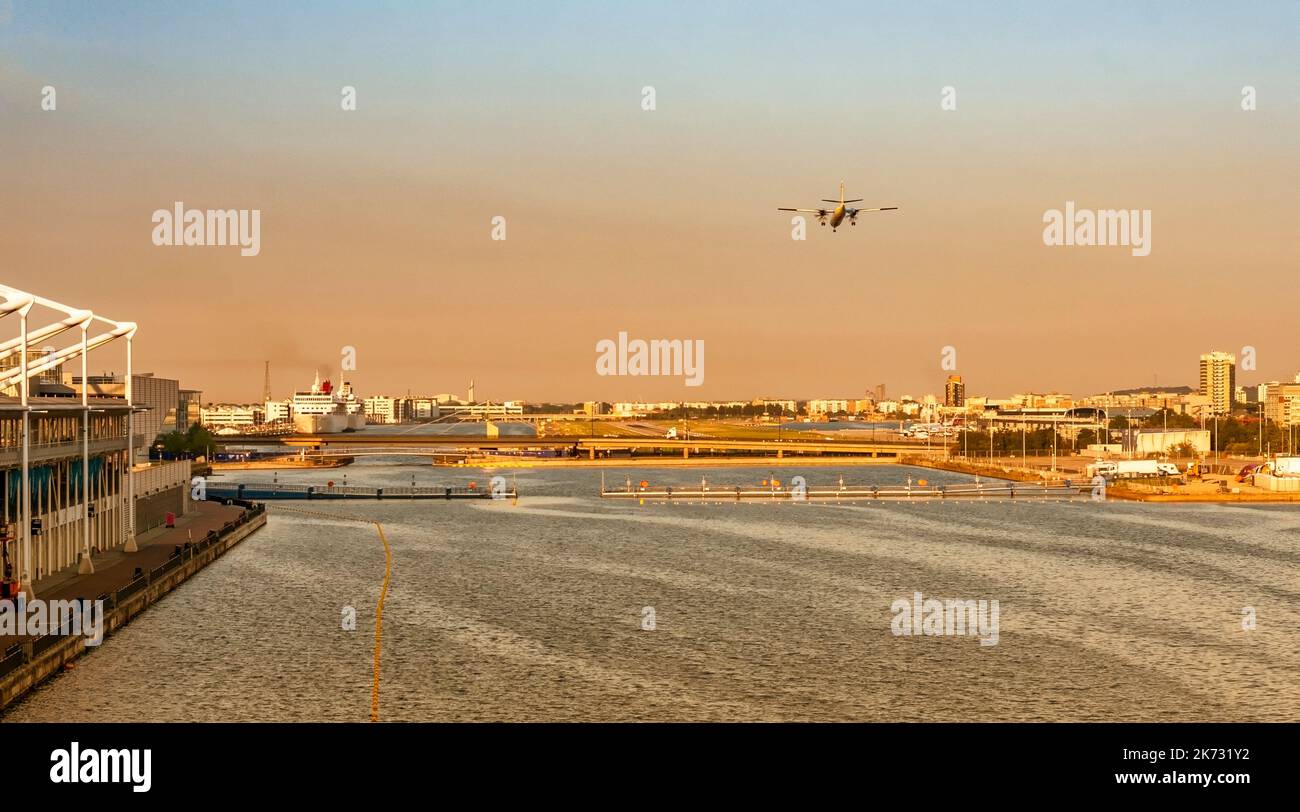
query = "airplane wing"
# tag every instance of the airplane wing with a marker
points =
(882, 208)
(813, 211)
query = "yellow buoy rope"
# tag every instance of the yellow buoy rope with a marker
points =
(383, 592)
(379, 622)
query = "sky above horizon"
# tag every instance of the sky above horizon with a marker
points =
(376, 223)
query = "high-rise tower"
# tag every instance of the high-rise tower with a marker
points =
(1219, 380)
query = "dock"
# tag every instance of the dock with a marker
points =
(998, 491)
(266, 491)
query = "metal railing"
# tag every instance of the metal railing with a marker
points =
(221, 491)
(17, 654)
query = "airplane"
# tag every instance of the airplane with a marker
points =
(838, 213)
(922, 431)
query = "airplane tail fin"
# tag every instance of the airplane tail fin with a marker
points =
(841, 201)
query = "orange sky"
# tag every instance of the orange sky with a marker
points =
(376, 223)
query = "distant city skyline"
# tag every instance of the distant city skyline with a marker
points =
(376, 223)
(466, 392)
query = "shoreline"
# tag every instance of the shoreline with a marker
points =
(673, 462)
(288, 465)
(1122, 491)
(43, 658)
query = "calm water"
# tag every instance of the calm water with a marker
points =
(763, 611)
(456, 429)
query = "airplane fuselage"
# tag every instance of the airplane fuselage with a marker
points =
(840, 213)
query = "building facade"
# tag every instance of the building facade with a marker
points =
(381, 409)
(55, 479)
(1282, 404)
(954, 392)
(157, 400)
(1219, 380)
(232, 415)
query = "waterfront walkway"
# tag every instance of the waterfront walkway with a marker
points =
(115, 569)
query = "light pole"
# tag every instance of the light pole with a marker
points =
(1053, 442)
(85, 567)
(26, 573)
(129, 515)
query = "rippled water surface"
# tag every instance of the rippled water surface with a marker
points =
(533, 611)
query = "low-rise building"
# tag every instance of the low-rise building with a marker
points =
(828, 406)
(1282, 403)
(231, 415)
(382, 409)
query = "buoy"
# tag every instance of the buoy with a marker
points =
(921, 482)
(329, 484)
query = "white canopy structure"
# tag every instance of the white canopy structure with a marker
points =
(26, 367)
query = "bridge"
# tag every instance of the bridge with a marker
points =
(361, 444)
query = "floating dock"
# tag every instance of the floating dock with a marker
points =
(266, 491)
(965, 492)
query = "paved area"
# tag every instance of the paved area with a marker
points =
(115, 569)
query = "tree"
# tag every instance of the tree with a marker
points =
(173, 444)
(198, 440)
(1163, 418)
(192, 443)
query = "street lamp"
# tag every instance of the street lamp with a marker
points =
(85, 567)
(1053, 442)
(25, 577)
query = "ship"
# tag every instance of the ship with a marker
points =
(325, 411)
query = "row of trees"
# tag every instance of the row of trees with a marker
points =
(180, 445)
(1230, 435)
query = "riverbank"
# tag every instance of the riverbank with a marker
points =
(1211, 489)
(286, 463)
(163, 562)
(491, 463)
(986, 471)
(1208, 490)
